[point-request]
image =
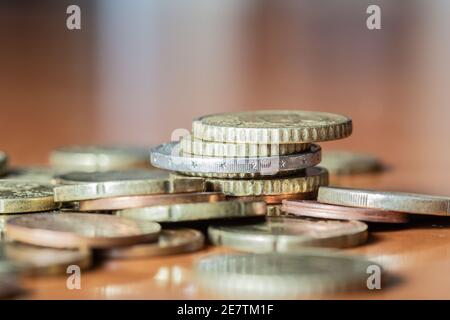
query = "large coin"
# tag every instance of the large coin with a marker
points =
(78, 230)
(344, 162)
(170, 242)
(3, 163)
(393, 201)
(326, 211)
(308, 181)
(119, 203)
(96, 185)
(17, 196)
(272, 126)
(196, 211)
(168, 156)
(190, 145)
(281, 275)
(282, 234)
(100, 158)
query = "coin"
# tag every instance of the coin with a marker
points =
(33, 260)
(3, 163)
(196, 211)
(78, 230)
(190, 145)
(169, 242)
(17, 196)
(308, 181)
(100, 158)
(272, 126)
(277, 198)
(167, 156)
(391, 201)
(118, 203)
(281, 275)
(33, 173)
(97, 185)
(344, 162)
(283, 234)
(325, 211)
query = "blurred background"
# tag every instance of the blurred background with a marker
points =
(139, 69)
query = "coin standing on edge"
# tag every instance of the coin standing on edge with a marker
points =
(196, 211)
(345, 162)
(283, 234)
(79, 230)
(383, 200)
(170, 241)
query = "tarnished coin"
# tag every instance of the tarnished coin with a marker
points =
(168, 156)
(119, 203)
(97, 185)
(17, 196)
(196, 211)
(100, 158)
(326, 211)
(345, 162)
(170, 241)
(277, 198)
(272, 126)
(282, 275)
(283, 234)
(3, 163)
(33, 173)
(33, 260)
(392, 201)
(190, 145)
(308, 181)
(78, 230)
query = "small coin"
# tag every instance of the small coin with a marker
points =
(100, 158)
(283, 234)
(170, 242)
(33, 173)
(345, 162)
(190, 145)
(168, 156)
(97, 185)
(3, 163)
(17, 196)
(391, 201)
(196, 211)
(33, 260)
(78, 230)
(272, 126)
(119, 203)
(306, 182)
(282, 275)
(325, 211)
(277, 198)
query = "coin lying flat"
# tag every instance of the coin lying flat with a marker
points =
(281, 275)
(97, 185)
(277, 198)
(3, 163)
(168, 156)
(33, 173)
(196, 211)
(325, 211)
(391, 201)
(173, 241)
(345, 162)
(190, 145)
(119, 203)
(17, 196)
(78, 230)
(34, 260)
(272, 126)
(100, 158)
(283, 234)
(307, 181)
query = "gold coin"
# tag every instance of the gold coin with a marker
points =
(96, 185)
(3, 163)
(196, 211)
(100, 158)
(79, 230)
(17, 196)
(272, 127)
(309, 181)
(345, 162)
(170, 242)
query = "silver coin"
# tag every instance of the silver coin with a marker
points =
(168, 156)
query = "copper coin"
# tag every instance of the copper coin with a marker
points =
(278, 198)
(327, 211)
(119, 203)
